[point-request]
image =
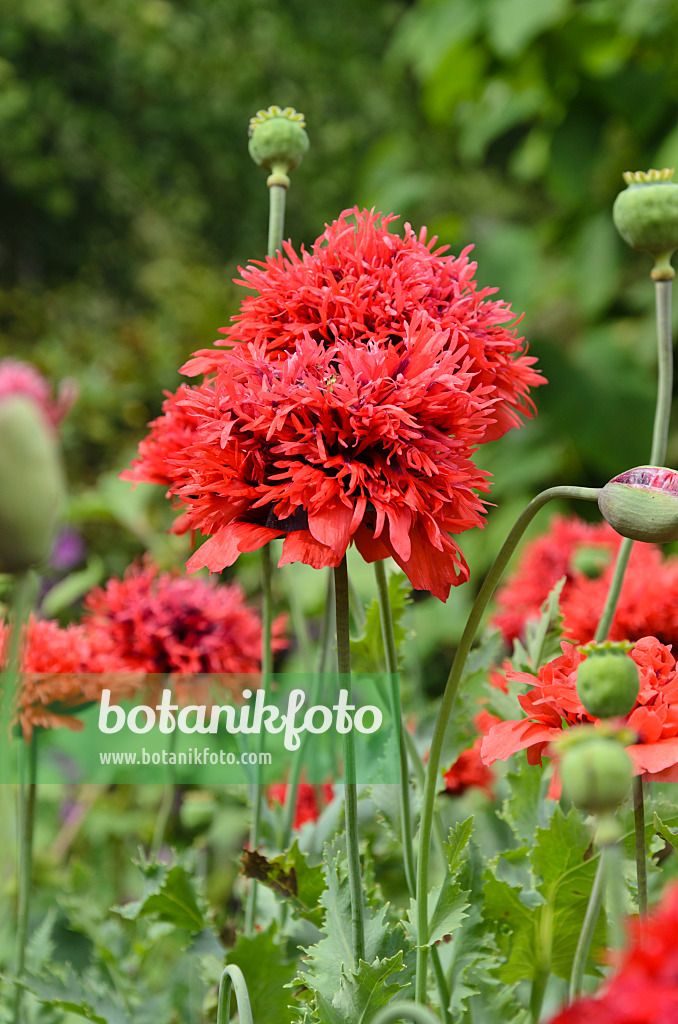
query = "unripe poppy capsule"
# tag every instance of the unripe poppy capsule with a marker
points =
(608, 680)
(646, 216)
(596, 774)
(31, 483)
(642, 504)
(278, 140)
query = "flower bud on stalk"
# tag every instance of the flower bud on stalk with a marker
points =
(595, 771)
(642, 504)
(608, 681)
(646, 216)
(31, 483)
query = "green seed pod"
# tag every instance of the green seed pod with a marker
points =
(596, 774)
(31, 484)
(608, 681)
(642, 504)
(278, 140)
(646, 216)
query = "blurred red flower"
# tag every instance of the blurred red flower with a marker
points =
(584, 554)
(644, 989)
(19, 378)
(361, 282)
(309, 805)
(161, 622)
(552, 704)
(468, 771)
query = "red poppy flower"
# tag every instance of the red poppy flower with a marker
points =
(310, 800)
(19, 378)
(363, 282)
(552, 704)
(62, 670)
(161, 623)
(336, 444)
(644, 989)
(170, 433)
(584, 554)
(468, 771)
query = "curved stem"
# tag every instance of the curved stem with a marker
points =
(405, 1011)
(25, 867)
(588, 928)
(453, 680)
(350, 788)
(639, 823)
(233, 976)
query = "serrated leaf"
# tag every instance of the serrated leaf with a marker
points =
(525, 809)
(542, 635)
(368, 651)
(327, 959)
(457, 841)
(40, 947)
(291, 878)
(362, 993)
(664, 831)
(446, 903)
(169, 895)
(266, 970)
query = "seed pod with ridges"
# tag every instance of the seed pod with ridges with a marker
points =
(278, 139)
(31, 483)
(646, 215)
(642, 504)
(608, 680)
(596, 774)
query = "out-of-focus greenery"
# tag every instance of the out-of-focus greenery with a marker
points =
(128, 199)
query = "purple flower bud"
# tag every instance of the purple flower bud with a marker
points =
(642, 504)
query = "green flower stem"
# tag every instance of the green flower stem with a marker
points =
(405, 809)
(662, 413)
(166, 802)
(341, 591)
(298, 759)
(588, 927)
(639, 823)
(276, 217)
(416, 763)
(453, 680)
(396, 1012)
(232, 976)
(25, 867)
(613, 593)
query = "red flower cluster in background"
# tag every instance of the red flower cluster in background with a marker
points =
(468, 771)
(360, 381)
(310, 800)
(584, 554)
(552, 704)
(644, 989)
(162, 623)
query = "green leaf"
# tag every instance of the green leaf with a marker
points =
(446, 903)
(169, 895)
(267, 973)
(368, 651)
(67, 591)
(525, 809)
(291, 878)
(84, 996)
(513, 24)
(542, 636)
(664, 831)
(362, 993)
(328, 958)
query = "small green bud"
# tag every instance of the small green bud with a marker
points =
(642, 504)
(608, 681)
(278, 141)
(646, 216)
(31, 483)
(596, 774)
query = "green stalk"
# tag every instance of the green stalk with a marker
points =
(588, 928)
(233, 976)
(396, 1012)
(639, 824)
(276, 217)
(453, 680)
(298, 759)
(350, 788)
(166, 802)
(25, 869)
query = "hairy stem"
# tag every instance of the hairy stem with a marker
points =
(350, 787)
(451, 687)
(639, 824)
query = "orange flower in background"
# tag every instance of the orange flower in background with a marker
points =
(64, 669)
(336, 445)
(584, 554)
(644, 988)
(552, 704)
(362, 282)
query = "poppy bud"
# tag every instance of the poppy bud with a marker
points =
(646, 216)
(642, 504)
(596, 774)
(31, 483)
(278, 141)
(608, 681)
